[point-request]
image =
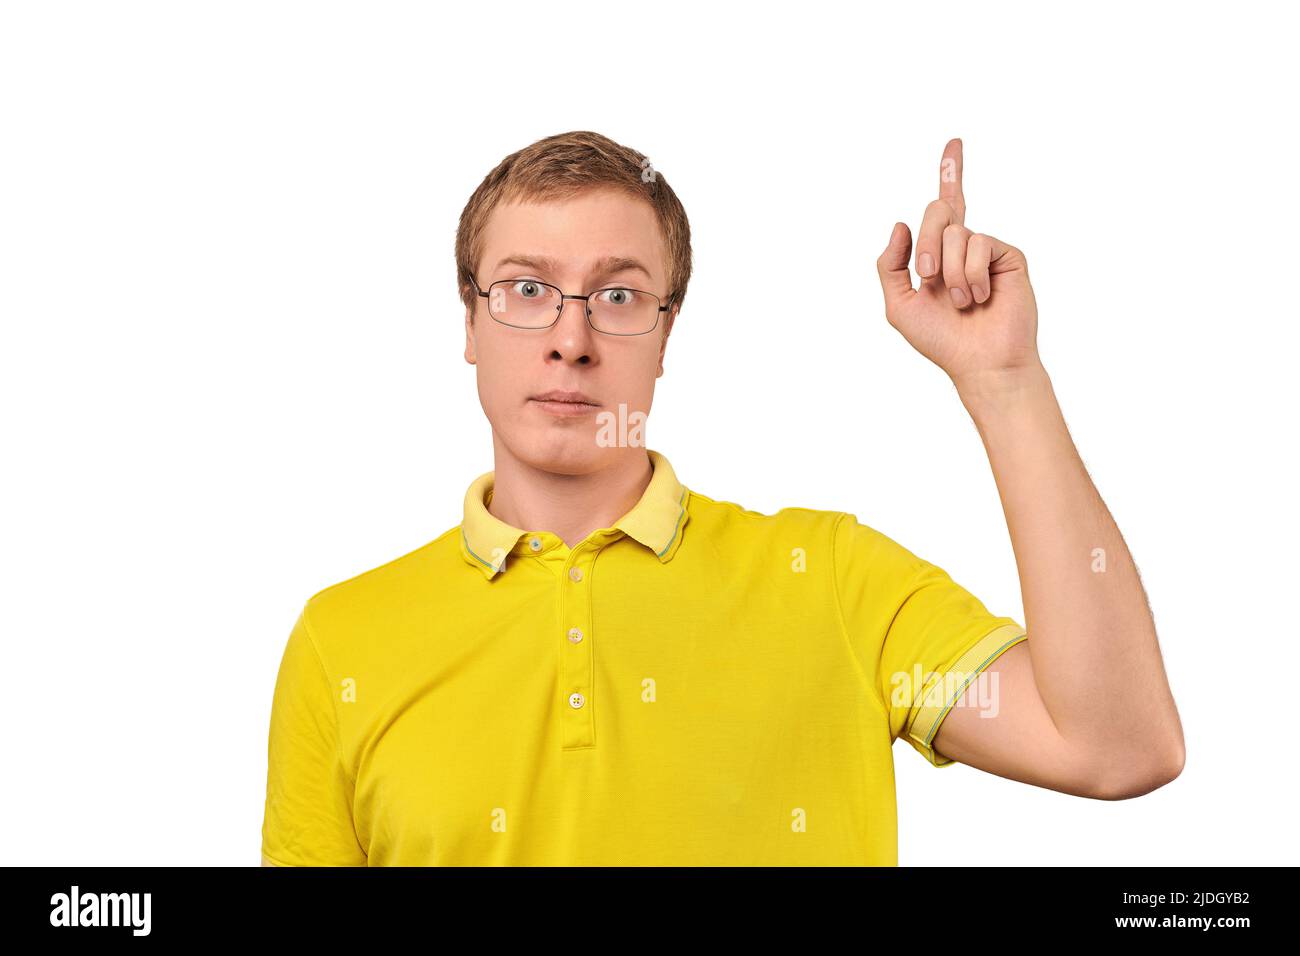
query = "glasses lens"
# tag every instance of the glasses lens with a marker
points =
(525, 303)
(623, 311)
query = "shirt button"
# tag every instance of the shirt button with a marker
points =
(575, 634)
(535, 544)
(576, 700)
(575, 574)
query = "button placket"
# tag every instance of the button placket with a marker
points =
(578, 718)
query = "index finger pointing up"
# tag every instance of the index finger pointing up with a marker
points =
(950, 179)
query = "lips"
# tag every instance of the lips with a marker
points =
(565, 404)
(566, 397)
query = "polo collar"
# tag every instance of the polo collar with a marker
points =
(655, 521)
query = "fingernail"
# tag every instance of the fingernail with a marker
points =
(927, 264)
(958, 297)
(978, 292)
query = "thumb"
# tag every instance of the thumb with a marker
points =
(895, 277)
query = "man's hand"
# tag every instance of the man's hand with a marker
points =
(974, 315)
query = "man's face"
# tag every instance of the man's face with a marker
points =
(515, 365)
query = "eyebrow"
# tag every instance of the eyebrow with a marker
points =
(607, 266)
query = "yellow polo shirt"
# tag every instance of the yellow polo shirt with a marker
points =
(699, 684)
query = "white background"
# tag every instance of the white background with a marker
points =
(232, 374)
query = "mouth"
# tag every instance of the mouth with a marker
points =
(566, 404)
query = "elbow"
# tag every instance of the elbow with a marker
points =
(1136, 776)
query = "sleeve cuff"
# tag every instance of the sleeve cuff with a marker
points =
(948, 688)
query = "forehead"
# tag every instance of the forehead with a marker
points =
(576, 231)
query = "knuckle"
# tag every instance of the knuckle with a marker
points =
(948, 207)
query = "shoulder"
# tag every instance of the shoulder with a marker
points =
(379, 591)
(855, 546)
(731, 517)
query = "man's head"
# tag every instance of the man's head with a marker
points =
(579, 212)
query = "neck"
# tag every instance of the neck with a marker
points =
(569, 506)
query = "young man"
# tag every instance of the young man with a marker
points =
(600, 666)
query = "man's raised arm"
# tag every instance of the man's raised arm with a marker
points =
(1084, 705)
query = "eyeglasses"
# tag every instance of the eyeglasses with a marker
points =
(530, 304)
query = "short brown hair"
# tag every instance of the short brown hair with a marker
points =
(560, 167)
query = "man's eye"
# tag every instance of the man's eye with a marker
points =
(618, 296)
(528, 289)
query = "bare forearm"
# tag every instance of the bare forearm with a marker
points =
(1092, 640)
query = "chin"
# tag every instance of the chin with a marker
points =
(562, 451)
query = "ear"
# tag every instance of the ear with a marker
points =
(470, 354)
(663, 344)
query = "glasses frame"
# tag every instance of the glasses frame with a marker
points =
(560, 308)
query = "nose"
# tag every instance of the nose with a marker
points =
(572, 338)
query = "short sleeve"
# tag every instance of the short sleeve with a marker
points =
(308, 813)
(922, 638)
